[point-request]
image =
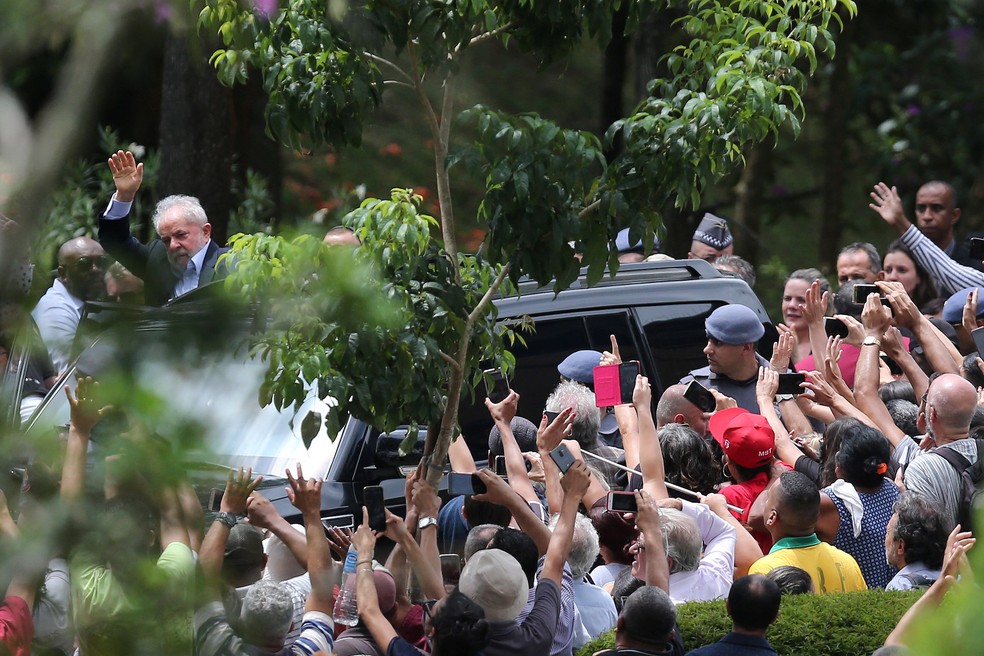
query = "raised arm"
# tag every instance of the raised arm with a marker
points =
(239, 486)
(365, 588)
(262, 514)
(548, 437)
(875, 319)
(942, 357)
(305, 495)
(84, 414)
(765, 392)
(20, 584)
(574, 484)
(747, 549)
(650, 453)
(427, 567)
(503, 414)
(496, 491)
(648, 522)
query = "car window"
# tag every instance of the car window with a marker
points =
(536, 374)
(675, 336)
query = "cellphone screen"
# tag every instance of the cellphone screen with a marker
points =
(498, 390)
(550, 416)
(500, 466)
(790, 383)
(700, 396)
(373, 496)
(450, 569)
(215, 499)
(627, 373)
(621, 502)
(976, 248)
(861, 293)
(835, 327)
(978, 335)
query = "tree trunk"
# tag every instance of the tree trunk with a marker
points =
(834, 149)
(747, 220)
(198, 127)
(613, 79)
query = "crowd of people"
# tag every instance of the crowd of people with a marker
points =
(855, 479)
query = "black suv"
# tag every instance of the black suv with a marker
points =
(655, 310)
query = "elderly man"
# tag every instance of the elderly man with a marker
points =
(585, 429)
(732, 363)
(182, 259)
(950, 406)
(82, 267)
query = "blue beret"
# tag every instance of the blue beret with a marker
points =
(580, 365)
(734, 324)
(622, 242)
(953, 308)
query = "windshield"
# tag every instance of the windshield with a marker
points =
(220, 393)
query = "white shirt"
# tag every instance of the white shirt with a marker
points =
(713, 577)
(57, 315)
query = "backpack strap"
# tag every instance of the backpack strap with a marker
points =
(954, 457)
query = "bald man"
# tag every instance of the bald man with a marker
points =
(342, 236)
(950, 405)
(81, 277)
(673, 408)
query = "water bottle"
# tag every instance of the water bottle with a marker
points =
(346, 610)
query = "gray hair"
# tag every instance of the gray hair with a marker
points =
(587, 421)
(584, 545)
(479, 537)
(191, 209)
(738, 265)
(681, 539)
(874, 259)
(267, 611)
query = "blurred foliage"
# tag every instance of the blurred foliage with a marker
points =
(84, 193)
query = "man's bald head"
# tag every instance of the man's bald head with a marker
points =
(951, 404)
(673, 408)
(82, 266)
(342, 236)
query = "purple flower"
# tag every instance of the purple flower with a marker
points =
(912, 110)
(266, 7)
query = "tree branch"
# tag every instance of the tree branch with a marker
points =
(385, 62)
(397, 83)
(485, 36)
(588, 209)
(487, 297)
(451, 361)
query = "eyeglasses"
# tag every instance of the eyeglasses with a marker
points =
(89, 262)
(428, 606)
(639, 545)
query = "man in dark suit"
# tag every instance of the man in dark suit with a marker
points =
(184, 256)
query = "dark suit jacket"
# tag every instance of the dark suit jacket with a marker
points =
(150, 263)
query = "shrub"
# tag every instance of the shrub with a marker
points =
(849, 624)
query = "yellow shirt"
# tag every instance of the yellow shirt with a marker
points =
(831, 569)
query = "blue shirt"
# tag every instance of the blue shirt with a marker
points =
(736, 644)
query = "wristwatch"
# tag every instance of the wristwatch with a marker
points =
(424, 522)
(784, 397)
(227, 518)
(871, 340)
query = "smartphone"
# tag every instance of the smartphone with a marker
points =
(498, 389)
(450, 570)
(215, 499)
(465, 484)
(500, 466)
(978, 335)
(375, 504)
(835, 327)
(790, 383)
(700, 396)
(862, 291)
(976, 248)
(627, 373)
(621, 502)
(551, 416)
(563, 458)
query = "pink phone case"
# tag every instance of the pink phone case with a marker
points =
(608, 390)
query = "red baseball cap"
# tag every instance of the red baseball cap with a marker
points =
(746, 438)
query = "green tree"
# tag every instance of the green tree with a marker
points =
(549, 191)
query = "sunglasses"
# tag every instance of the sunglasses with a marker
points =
(89, 262)
(428, 606)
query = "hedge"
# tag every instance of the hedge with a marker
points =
(846, 624)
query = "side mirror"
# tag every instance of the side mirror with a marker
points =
(388, 449)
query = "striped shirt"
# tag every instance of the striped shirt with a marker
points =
(932, 476)
(215, 637)
(949, 276)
